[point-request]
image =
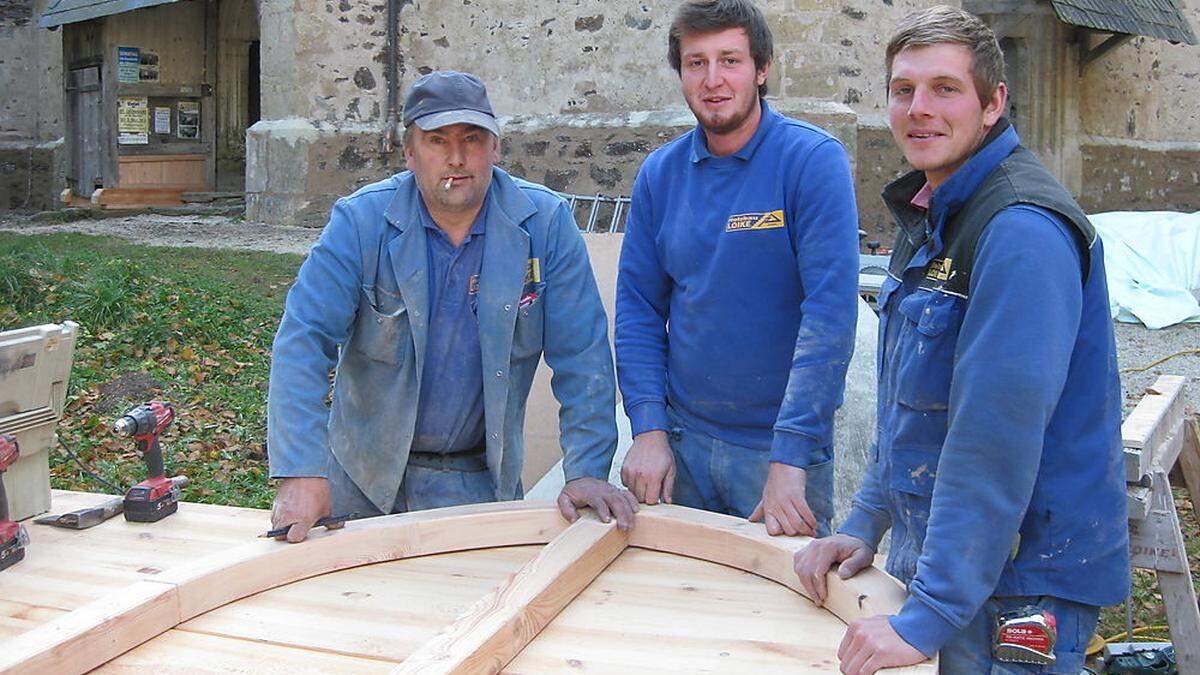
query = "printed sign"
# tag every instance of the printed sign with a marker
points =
(148, 66)
(128, 64)
(162, 120)
(133, 120)
(188, 124)
(136, 65)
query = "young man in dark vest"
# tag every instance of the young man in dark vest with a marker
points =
(998, 461)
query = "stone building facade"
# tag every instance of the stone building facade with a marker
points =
(31, 105)
(584, 93)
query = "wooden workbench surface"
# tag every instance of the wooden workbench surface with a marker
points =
(648, 611)
(65, 569)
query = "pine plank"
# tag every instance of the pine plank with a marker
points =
(381, 611)
(497, 627)
(179, 651)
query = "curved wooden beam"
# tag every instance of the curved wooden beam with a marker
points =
(102, 630)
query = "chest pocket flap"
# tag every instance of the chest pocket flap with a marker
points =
(925, 349)
(381, 329)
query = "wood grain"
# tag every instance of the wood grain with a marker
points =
(499, 626)
(189, 591)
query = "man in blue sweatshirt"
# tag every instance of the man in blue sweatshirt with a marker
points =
(998, 460)
(736, 298)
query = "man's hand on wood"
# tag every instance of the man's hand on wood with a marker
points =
(812, 562)
(783, 508)
(871, 644)
(300, 502)
(607, 500)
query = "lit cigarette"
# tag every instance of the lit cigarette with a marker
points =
(449, 181)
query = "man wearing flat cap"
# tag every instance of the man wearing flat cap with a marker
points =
(434, 293)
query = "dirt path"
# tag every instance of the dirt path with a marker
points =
(190, 230)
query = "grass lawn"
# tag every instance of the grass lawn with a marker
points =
(194, 327)
(187, 325)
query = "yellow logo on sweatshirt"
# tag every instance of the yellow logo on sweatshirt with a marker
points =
(770, 220)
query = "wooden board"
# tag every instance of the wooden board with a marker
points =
(160, 172)
(66, 569)
(1143, 432)
(372, 615)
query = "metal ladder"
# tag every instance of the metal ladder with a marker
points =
(598, 213)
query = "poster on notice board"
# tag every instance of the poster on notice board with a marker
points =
(188, 124)
(133, 120)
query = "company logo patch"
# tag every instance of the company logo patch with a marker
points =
(770, 220)
(940, 269)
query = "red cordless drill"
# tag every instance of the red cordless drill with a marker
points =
(156, 497)
(13, 537)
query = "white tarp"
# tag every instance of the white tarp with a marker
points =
(1152, 260)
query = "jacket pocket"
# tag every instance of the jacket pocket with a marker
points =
(913, 470)
(381, 329)
(925, 349)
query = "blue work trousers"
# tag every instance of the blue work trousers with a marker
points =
(422, 488)
(714, 475)
(970, 651)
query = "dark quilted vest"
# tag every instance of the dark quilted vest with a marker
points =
(1020, 178)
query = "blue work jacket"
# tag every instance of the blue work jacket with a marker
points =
(998, 460)
(361, 301)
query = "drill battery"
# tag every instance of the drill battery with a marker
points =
(1025, 635)
(151, 500)
(13, 540)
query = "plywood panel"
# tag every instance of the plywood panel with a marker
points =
(649, 610)
(212, 654)
(66, 569)
(382, 611)
(672, 614)
(185, 172)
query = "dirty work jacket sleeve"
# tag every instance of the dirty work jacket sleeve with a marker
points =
(826, 223)
(577, 351)
(869, 518)
(1011, 363)
(643, 308)
(317, 316)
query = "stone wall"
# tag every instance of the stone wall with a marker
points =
(31, 97)
(31, 102)
(327, 63)
(584, 85)
(31, 175)
(1140, 176)
(879, 163)
(1145, 89)
(295, 170)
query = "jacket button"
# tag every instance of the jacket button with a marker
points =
(508, 308)
(928, 311)
(495, 436)
(378, 320)
(499, 373)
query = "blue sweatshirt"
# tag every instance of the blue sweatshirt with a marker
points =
(998, 464)
(737, 290)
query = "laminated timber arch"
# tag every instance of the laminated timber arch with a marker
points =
(487, 636)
